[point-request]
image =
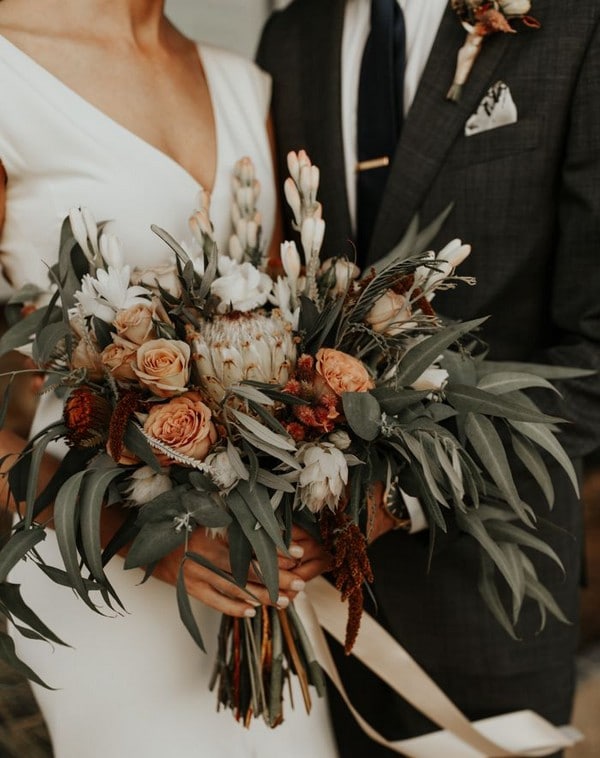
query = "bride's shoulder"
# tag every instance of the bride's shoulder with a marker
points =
(241, 73)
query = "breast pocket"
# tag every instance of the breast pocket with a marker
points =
(493, 144)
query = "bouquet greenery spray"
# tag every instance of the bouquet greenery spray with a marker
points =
(227, 394)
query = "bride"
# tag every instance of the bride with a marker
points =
(106, 105)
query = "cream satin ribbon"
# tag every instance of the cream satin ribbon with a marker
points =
(523, 733)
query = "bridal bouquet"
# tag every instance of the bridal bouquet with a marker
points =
(229, 393)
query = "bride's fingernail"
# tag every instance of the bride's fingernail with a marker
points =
(296, 551)
(283, 601)
(297, 585)
(250, 613)
(255, 603)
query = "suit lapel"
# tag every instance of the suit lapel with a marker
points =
(430, 128)
(321, 95)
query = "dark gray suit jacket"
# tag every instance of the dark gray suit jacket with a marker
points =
(527, 197)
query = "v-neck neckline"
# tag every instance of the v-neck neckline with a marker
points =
(88, 109)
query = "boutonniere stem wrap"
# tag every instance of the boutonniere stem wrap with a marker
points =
(480, 19)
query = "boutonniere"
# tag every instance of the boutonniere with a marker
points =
(480, 19)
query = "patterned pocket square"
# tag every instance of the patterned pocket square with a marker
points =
(496, 109)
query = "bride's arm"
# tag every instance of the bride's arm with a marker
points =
(2, 194)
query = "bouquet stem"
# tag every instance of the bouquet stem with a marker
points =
(256, 656)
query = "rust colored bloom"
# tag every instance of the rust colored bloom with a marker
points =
(87, 416)
(351, 566)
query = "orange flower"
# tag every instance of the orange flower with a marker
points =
(341, 372)
(184, 424)
(87, 416)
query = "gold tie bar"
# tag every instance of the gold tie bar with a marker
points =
(373, 163)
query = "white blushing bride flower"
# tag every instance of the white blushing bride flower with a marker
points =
(108, 293)
(323, 477)
(240, 286)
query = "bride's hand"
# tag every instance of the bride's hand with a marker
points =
(219, 593)
(309, 558)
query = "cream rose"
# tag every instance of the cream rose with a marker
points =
(119, 357)
(86, 356)
(389, 314)
(163, 366)
(341, 372)
(184, 424)
(136, 324)
(165, 275)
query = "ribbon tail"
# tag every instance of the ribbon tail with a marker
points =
(522, 733)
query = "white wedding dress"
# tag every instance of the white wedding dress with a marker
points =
(132, 685)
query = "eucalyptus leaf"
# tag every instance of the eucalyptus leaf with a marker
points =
(472, 524)
(363, 414)
(185, 610)
(473, 400)
(544, 438)
(9, 656)
(489, 448)
(91, 503)
(489, 593)
(262, 432)
(46, 341)
(236, 462)
(6, 400)
(240, 553)
(536, 590)
(66, 522)
(259, 504)
(533, 461)
(505, 531)
(501, 382)
(513, 555)
(273, 481)
(248, 392)
(22, 332)
(37, 454)
(171, 242)
(460, 366)
(262, 544)
(17, 547)
(393, 401)
(272, 450)
(546, 371)
(136, 443)
(10, 596)
(205, 510)
(154, 541)
(420, 357)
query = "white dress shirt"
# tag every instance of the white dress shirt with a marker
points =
(422, 19)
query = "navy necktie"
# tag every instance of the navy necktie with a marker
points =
(380, 113)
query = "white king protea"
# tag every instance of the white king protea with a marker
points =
(323, 477)
(238, 346)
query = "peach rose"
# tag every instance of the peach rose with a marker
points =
(119, 357)
(341, 372)
(163, 366)
(136, 323)
(184, 423)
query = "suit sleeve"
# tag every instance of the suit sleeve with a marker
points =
(575, 305)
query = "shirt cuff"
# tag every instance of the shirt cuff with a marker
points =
(418, 520)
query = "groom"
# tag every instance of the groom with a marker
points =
(519, 157)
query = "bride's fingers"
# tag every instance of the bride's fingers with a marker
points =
(220, 602)
(308, 570)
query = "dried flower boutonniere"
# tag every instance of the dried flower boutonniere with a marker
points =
(481, 18)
